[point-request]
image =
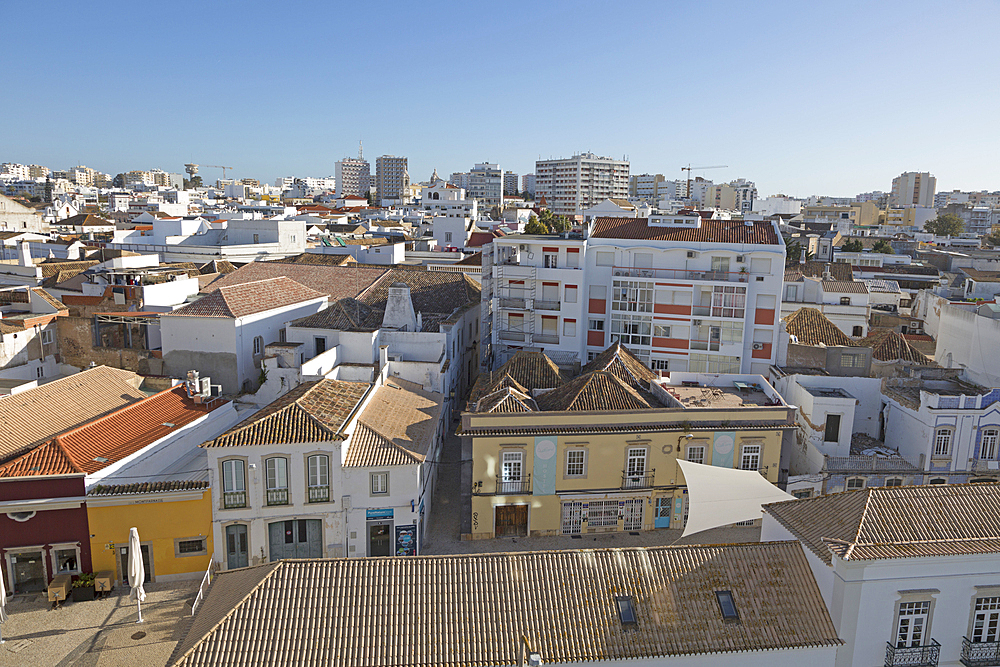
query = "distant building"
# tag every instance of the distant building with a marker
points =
(528, 184)
(914, 188)
(392, 179)
(486, 183)
(571, 185)
(509, 183)
(353, 176)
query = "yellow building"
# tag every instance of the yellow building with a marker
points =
(598, 452)
(174, 520)
(861, 214)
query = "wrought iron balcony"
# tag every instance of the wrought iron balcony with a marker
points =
(980, 654)
(319, 494)
(643, 480)
(277, 496)
(513, 487)
(232, 499)
(912, 656)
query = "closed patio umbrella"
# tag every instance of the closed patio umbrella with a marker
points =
(136, 570)
(3, 604)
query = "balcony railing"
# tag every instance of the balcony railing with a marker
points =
(912, 656)
(231, 499)
(980, 654)
(541, 304)
(545, 338)
(277, 496)
(513, 302)
(511, 335)
(682, 274)
(643, 480)
(513, 487)
(319, 494)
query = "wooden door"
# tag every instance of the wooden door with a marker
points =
(511, 521)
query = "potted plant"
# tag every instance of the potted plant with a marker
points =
(743, 274)
(83, 587)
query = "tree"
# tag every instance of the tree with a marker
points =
(993, 238)
(946, 224)
(854, 245)
(882, 246)
(535, 226)
(370, 197)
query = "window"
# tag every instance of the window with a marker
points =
(576, 460)
(602, 513)
(805, 493)
(190, 546)
(572, 517)
(750, 457)
(727, 605)
(571, 291)
(320, 344)
(894, 481)
(659, 364)
(986, 623)
(832, 431)
(573, 258)
(661, 331)
(696, 454)
(942, 442)
(276, 480)
(855, 483)
(551, 260)
(713, 363)
(988, 445)
(635, 467)
(66, 561)
(569, 327)
(728, 301)
(631, 329)
(258, 345)
(46, 336)
(626, 610)
(379, 483)
(912, 623)
(282, 336)
(845, 301)
(39, 372)
(848, 360)
(318, 470)
(234, 492)
(447, 237)
(632, 296)
(857, 332)
(938, 480)
(595, 325)
(792, 293)
(720, 265)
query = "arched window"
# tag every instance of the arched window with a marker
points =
(855, 483)
(939, 480)
(988, 444)
(942, 442)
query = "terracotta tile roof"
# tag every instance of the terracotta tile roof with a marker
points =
(50, 269)
(812, 327)
(844, 286)
(599, 390)
(248, 298)
(216, 266)
(889, 345)
(404, 417)
(32, 417)
(507, 400)
(474, 609)
(147, 487)
(624, 365)
(86, 220)
(476, 259)
(869, 464)
(48, 298)
(530, 370)
(312, 412)
(336, 282)
(316, 259)
(711, 231)
(982, 276)
(111, 438)
(896, 522)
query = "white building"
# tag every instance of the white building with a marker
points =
(908, 573)
(445, 199)
(913, 188)
(528, 184)
(510, 182)
(353, 177)
(571, 185)
(843, 302)
(392, 180)
(15, 217)
(486, 185)
(681, 292)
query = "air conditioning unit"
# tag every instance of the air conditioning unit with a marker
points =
(619, 273)
(758, 346)
(692, 254)
(522, 247)
(740, 259)
(696, 323)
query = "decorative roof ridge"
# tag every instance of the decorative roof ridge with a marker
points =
(58, 443)
(861, 524)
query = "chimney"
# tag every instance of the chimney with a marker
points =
(383, 356)
(399, 309)
(826, 272)
(802, 255)
(24, 254)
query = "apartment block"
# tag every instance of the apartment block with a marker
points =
(392, 180)
(528, 184)
(353, 176)
(913, 188)
(573, 184)
(510, 183)
(486, 183)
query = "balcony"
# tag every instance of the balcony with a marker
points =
(913, 656)
(541, 304)
(319, 494)
(512, 302)
(233, 499)
(517, 336)
(980, 654)
(682, 274)
(545, 338)
(514, 487)
(643, 480)
(277, 497)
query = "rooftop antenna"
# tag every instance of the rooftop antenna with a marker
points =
(361, 151)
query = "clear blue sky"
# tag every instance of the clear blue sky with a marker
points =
(803, 98)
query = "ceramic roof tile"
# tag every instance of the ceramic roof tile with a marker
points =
(312, 412)
(506, 400)
(711, 231)
(336, 282)
(844, 286)
(317, 259)
(247, 299)
(405, 417)
(531, 370)
(628, 368)
(474, 609)
(896, 522)
(111, 438)
(147, 487)
(889, 345)
(811, 327)
(839, 271)
(34, 416)
(599, 390)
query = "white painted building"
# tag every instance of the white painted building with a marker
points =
(15, 217)
(571, 185)
(486, 185)
(843, 302)
(353, 177)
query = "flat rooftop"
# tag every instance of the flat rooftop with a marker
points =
(717, 397)
(823, 392)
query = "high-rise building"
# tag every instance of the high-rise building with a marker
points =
(528, 184)
(913, 188)
(571, 185)
(460, 179)
(486, 186)
(353, 177)
(392, 179)
(509, 183)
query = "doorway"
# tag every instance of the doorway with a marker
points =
(380, 539)
(146, 563)
(29, 572)
(511, 521)
(237, 554)
(301, 538)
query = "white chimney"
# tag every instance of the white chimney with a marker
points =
(24, 254)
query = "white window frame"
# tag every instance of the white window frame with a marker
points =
(988, 444)
(661, 331)
(692, 455)
(239, 483)
(893, 479)
(378, 483)
(856, 480)
(65, 546)
(986, 620)
(47, 337)
(912, 623)
(750, 453)
(258, 345)
(273, 470)
(595, 324)
(572, 464)
(943, 436)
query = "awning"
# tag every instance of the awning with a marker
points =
(721, 496)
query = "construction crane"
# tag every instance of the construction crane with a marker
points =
(192, 169)
(689, 168)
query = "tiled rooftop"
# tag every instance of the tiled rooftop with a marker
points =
(844, 286)
(597, 390)
(248, 298)
(839, 271)
(896, 522)
(889, 345)
(711, 231)
(397, 427)
(473, 610)
(529, 370)
(336, 282)
(811, 327)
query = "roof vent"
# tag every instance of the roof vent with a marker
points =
(626, 610)
(169, 425)
(100, 459)
(727, 605)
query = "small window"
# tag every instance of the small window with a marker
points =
(47, 336)
(832, 431)
(39, 372)
(659, 364)
(258, 345)
(595, 325)
(190, 546)
(845, 301)
(576, 460)
(805, 493)
(282, 336)
(727, 605)
(626, 610)
(380, 483)
(939, 480)
(857, 332)
(661, 331)
(855, 483)
(894, 481)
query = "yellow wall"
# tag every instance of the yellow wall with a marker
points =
(159, 524)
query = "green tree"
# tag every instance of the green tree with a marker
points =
(882, 246)
(946, 224)
(853, 245)
(993, 238)
(535, 226)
